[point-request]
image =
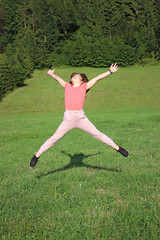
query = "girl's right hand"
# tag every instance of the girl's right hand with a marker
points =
(50, 72)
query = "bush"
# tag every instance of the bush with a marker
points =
(12, 74)
(7, 82)
(80, 51)
(149, 62)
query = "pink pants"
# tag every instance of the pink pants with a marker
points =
(75, 119)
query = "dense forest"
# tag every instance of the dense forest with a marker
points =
(44, 33)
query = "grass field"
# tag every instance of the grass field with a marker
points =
(81, 188)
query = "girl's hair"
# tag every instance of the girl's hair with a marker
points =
(84, 77)
(73, 74)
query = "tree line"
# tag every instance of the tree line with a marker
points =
(42, 33)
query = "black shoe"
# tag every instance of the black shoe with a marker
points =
(33, 161)
(123, 151)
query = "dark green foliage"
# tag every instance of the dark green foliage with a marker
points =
(122, 31)
(25, 50)
(43, 33)
(157, 27)
(5, 80)
(12, 73)
(10, 22)
(9, 74)
(1, 27)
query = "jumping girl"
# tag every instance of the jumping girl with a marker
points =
(74, 116)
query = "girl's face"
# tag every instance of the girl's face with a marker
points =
(77, 79)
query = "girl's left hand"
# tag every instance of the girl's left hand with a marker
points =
(114, 68)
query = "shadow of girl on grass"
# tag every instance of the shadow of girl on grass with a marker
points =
(76, 160)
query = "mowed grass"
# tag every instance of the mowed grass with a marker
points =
(129, 88)
(81, 188)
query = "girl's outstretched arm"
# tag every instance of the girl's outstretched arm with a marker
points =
(113, 69)
(56, 77)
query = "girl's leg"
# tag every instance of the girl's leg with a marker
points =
(85, 125)
(64, 127)
(67, 124)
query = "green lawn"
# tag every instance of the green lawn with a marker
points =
(81, 188)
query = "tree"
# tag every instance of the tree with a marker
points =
(10, 21)
(157, 27)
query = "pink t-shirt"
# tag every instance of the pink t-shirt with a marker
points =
(75, 96)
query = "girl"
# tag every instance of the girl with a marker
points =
(74, 116)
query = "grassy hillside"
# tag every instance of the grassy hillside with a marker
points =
(82, 189)
(129, 88)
